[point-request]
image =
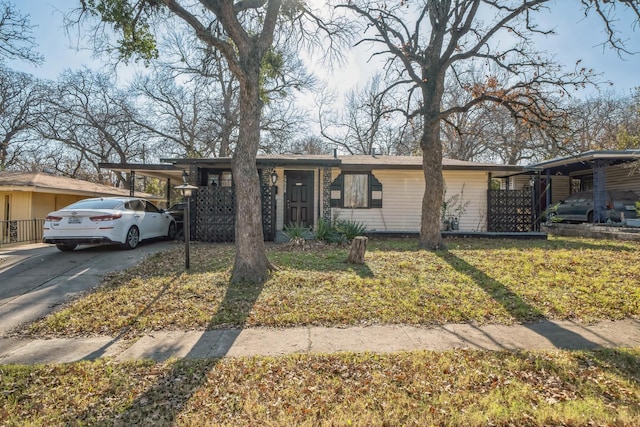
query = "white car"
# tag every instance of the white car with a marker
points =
(107, 220)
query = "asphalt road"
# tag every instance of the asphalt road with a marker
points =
(35, 279)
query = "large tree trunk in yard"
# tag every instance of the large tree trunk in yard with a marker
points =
(251, 263)
(430, 235)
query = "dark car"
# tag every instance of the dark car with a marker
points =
(619, 205)
(177, 212)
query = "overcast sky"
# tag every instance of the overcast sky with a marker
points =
(577, 39)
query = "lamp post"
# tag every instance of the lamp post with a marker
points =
(186, 190)
(274, 180)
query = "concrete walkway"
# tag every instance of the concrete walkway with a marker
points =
(161, 346)
(36, 279)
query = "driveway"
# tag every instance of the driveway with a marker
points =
(35, 279)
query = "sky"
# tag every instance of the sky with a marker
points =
(577, 38)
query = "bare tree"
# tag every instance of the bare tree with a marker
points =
(184, 118)
(20, 95)
(367, 124)
(310, 145)
(90, 116)
(628, 135)
(205, 70)
(243, 33)
(425, 42)
(16, 40)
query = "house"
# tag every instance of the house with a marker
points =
(382, 192)
(27, 197)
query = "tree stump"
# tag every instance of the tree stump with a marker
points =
(358, 248)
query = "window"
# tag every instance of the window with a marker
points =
(218, 178)
(356, 191)
(150, 207)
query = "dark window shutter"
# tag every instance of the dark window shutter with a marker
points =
(337, 186)
(375, 185)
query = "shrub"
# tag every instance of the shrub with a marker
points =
(325, 232)
(350, 229)
(295, 231)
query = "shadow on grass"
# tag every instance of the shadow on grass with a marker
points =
(619, 361)
(164, 401)
(520, 310)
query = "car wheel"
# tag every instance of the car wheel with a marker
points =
(590, 217)
(65, 247)
(171, 234)
(132, 239)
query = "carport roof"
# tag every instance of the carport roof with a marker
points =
(584, 161)
(162, 172)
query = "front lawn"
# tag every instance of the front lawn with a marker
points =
(452, 388)
(475, 281)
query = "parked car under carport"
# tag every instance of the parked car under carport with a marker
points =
(579, 207)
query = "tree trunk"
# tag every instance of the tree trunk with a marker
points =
(251, 263)
(430, 235)
(358, 248)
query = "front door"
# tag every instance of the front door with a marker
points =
(299, 198)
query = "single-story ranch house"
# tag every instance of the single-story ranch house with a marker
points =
(385, 192)
(382, 192)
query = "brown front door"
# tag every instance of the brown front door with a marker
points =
(299, 198)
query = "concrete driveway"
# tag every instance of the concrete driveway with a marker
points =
(36, 278)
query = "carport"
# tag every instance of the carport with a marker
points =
(167, 173)
(591, 170)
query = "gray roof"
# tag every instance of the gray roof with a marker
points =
(585, 160)
(348, 162)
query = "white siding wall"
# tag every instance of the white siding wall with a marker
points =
(402, 193)
(621, 178)
(560, 188)
(472, 186)
(617, 177)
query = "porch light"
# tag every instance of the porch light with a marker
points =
(274, 177)
(187, 191)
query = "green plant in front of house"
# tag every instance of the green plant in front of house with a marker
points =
(327, 233)
(295, 231)
(340, 231)
(350, 229)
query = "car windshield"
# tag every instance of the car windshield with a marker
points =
(96, 204)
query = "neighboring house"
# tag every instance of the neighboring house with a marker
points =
(27, 197)
(383, 192)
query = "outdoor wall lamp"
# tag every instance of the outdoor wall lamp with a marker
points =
(274, 179)
(187, 191)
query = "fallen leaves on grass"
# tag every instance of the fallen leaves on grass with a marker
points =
(458, 387)
(475, 281)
